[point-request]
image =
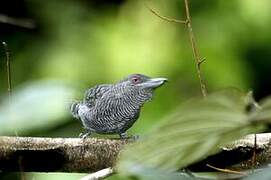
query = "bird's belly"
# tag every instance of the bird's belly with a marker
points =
(106, 122)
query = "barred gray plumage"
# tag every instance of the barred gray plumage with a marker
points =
(113, 108)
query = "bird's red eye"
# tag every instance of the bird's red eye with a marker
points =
(135, 80)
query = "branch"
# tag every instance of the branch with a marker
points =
(30, 154)
(195, 50)
(239, 155)
(58, 154)
(226, 170)
(164, 17)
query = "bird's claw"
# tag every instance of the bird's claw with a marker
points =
(123, 136)
(135, 137)
(84, 135)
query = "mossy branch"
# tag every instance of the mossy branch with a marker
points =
(29, 154)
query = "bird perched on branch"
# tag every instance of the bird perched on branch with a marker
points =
(114, 108)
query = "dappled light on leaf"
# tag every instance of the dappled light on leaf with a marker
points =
(263, 114)
(35, 105)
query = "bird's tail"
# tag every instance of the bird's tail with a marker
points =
(74, 109)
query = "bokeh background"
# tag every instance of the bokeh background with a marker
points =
(68, 46)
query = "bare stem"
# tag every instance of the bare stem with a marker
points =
(226, 170)
(194, 48)
(164, 17)
(254, 157)
(7, 52)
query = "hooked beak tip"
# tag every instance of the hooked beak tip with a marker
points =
(155, 82)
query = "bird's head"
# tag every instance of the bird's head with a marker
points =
(139, 88)
(143, 82)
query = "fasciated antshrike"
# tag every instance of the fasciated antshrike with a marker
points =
(114, 108)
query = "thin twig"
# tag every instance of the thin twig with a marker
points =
(254, 157)
(164, 17)
(225, 170)
(99, 174)
(194, 48)
(254, 107)
(7, 52)
(196, 54)
(201, 61)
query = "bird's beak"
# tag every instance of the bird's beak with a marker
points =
(154, 83)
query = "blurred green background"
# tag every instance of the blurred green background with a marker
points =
(76, 44)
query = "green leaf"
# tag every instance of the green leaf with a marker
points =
(35, 105)
(263, 113)
(195, 130)
(145, 173)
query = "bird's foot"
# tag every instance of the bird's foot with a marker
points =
(135, 137)
(125, 136)
(84, 135)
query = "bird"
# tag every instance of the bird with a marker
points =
(114, 108)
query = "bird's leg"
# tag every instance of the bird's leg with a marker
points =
(84, 135)
(135, 137)
(123, 135)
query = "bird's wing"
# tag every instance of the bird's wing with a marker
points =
(92, 94)
(74, 107)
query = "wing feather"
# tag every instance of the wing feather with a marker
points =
(92, 94)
